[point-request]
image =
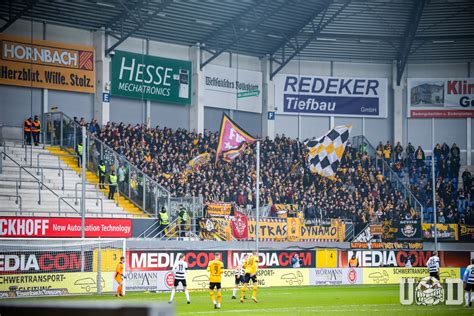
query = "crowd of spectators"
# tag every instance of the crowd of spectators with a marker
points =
(361, 191)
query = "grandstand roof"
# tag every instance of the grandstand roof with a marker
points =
(340, 30)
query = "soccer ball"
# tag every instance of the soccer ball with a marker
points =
(327, 283)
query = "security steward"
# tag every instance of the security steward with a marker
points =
(79, 154)
(164, 221)
(101, 169)
(353, 263)
(183, 218)
(27, 130)
(36, 130)
(112, 184)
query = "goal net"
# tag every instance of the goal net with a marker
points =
(45, 267)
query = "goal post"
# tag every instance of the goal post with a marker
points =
(48, 267)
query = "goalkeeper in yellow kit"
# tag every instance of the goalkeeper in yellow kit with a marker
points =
(250, 265)
(215, 269)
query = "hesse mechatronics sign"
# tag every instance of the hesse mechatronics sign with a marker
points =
(43, 64)
(151, 78)
(331, 96)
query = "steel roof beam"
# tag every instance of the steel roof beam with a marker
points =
(408, 38)
(127, 12)
(145, 19)
(294, 34)
(317, 32)
(29, 4)
(239, 33)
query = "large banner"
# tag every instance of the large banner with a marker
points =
(36, 227)
(199, 279)
(440, 98)
(234, 89)
(214, 229)
(151, 78)
(163, 260)
(466, 232)
(445, 232)
(277, 229)
(54, 284)
(48, 261)
(398, 258)
(401, 230)
(331, 96)
(44, 64)
(393, 275)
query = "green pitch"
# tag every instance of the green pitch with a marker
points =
(322, 300)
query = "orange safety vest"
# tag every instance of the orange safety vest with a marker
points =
(36, 126)
(27, 126)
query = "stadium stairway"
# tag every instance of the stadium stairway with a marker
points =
(92, 178)
(57, 199)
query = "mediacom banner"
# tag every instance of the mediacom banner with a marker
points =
(35, 227)
(331, 96)
(234, 89)
(151, 78)
(54, 284)
(440, 97)
(43, 64)
(445, 232)
(397, 258)
(393, 275)
(162, 260)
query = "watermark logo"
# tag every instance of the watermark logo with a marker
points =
(429, 291)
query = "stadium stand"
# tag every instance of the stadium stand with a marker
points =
(361, 191)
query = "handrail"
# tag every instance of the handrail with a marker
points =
(18, 197)
(96, 186)
(87, 198)
(40, 183)
(95, 139)
(60, 173)
(386, 166)
(54, 155)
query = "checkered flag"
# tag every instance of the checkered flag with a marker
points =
(325, 153)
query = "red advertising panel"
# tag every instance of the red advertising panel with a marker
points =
(156, 260)
(397, 258)
(35, 227)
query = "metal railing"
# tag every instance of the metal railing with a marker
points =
(41, 184)
(18, 198)
(97, 199)
(144, 192)
(52, 155)
(60, 174)
(360, 142)
(96, 187)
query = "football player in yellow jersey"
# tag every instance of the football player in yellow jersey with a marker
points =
(250, 265)
(215, 269)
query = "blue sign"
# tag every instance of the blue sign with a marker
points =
(106, 97)
(271, 116)
(331, 96)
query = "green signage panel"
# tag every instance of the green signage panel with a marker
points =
(151, 78)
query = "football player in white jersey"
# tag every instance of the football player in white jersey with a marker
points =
(433, 265)
(179, 270)
(239, 276)
(468, 279)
